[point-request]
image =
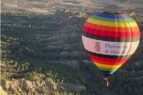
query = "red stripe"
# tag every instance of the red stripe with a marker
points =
(126, 34)
(108, 61)
(122, 32)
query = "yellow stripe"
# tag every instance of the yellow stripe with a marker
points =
(107, 66)
(105, 69)
(113, 24)
(112, 69)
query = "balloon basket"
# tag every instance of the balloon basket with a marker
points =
(106, 81)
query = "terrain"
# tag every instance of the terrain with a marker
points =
(42, 51)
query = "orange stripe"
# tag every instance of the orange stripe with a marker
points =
(118, 62)
(110, 67)
(108, 28)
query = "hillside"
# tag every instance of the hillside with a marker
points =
(42, 51)
(43, 54)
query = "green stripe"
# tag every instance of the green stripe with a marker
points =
(113, 20)
(106, 69)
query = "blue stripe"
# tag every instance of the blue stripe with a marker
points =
(107, 72)
(112, 16)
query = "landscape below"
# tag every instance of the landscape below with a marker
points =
(44, 55)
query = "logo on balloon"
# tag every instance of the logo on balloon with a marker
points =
(97, 46)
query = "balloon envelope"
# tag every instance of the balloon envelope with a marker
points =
(110, 39)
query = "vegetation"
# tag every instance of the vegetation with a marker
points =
(45, 54)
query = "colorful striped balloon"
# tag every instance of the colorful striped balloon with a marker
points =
(110, 39)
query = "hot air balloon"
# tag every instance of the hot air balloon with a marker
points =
(110, 40)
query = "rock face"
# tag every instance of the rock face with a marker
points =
(2, 92)
(47, 86)
(71, 87)
(52, 85)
